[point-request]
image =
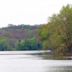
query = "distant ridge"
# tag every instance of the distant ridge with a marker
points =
(13, 33)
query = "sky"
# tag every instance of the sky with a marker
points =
(29, 11)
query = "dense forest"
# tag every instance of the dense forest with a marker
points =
(56, 35)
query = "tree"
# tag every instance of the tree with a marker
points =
(57, 33)
(29, 44)
(3, 44)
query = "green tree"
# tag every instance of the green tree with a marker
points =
(3, 44)
(57, 34)
(29, 44)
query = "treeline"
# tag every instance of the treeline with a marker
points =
(28, 44)
(57, 33)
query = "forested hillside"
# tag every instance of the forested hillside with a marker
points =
(56, 35)
(12, 37)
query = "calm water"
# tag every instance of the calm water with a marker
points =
(31, 62)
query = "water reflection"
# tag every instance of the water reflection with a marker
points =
(33, 63)
(60, 69)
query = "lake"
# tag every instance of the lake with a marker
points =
(31, 61)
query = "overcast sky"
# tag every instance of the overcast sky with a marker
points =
(28, 11)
